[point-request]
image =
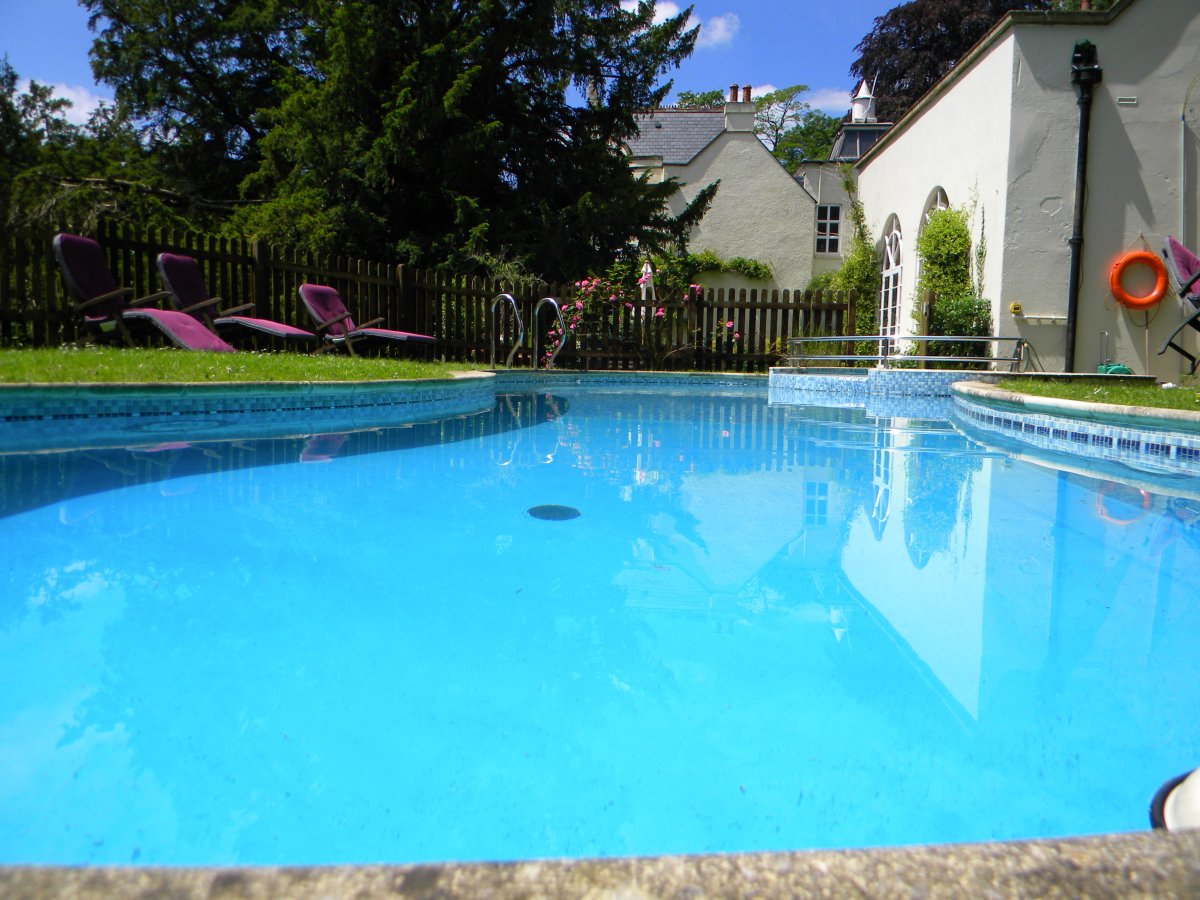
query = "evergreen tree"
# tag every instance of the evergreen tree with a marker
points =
(442, 131)
(198, 76)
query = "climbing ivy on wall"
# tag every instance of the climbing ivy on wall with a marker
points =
(859, 271)
(956, 304)
(707, 261)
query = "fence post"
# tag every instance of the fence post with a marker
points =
(851, 319)
(262, 275)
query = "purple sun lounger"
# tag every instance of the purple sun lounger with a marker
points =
(1183, 267)
(335, 325)
(107, 312)
(184, 281)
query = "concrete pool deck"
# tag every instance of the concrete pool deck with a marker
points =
(1141, 864)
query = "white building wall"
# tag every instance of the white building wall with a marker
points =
(959, 144)
(1149, 55)
(823, 181)
(1005, 134)
(760, 211)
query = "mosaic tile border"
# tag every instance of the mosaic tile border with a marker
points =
(878, 382)
(1161, 449)
(41, 416)
(524, 379)
(875, 406)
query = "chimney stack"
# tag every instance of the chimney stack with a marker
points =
(739, 115)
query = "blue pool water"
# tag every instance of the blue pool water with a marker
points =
(768, 628)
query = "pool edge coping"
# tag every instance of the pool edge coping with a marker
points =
(1086, 410)
(1143, 863)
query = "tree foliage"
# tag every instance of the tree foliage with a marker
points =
(915, 44)
(956, 306)
(811, 139)
(56, 174)
(859, 271)
(778, 112)
(439, 132)
(693, 99)
(200, 76)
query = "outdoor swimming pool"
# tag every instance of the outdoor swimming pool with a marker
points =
(769, 627)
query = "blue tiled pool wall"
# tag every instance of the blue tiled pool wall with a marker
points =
(56, 416)
(879, 382)
(529, 379)
(1160, 449)
(877, 406)
(899, 393)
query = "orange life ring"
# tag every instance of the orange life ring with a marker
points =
(1102, 509)
(1132, 258)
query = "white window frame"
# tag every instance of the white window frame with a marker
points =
(891, 282)
(829, 229)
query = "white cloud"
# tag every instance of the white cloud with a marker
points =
(662, 11)
(718, 31)
(834, 101)
(83, 100)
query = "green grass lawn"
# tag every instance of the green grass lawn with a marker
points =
(1105, 391)
(96, 364)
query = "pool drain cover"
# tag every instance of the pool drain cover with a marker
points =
(553, 512)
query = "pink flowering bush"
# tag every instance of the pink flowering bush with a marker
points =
(610, 307)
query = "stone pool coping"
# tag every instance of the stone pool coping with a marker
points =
(1139, 864)
(1162, 441)
(1107, 413)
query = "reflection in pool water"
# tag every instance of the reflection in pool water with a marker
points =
(770, 627)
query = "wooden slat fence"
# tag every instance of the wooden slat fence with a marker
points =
(36, 311)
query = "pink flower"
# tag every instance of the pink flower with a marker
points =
(579, 304)
(658, 313)
(612, 297)
(729, 324)
(628, 305)
(736, 335)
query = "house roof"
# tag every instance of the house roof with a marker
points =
(853, 139)
(676, 135)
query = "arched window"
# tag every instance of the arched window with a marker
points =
(890, 283)
(937, 200)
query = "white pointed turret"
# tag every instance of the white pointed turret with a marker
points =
(862, 107)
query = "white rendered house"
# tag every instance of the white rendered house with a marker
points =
(760, 211)
(999, 136)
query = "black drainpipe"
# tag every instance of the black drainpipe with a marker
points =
(1085, 75)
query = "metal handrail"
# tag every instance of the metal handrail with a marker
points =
(562, 329)
(520, 330)
(1016, 360)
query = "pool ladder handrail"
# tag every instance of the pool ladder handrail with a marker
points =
(500, 298)
(562, 329)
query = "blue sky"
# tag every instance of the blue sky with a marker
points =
(764, 43)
